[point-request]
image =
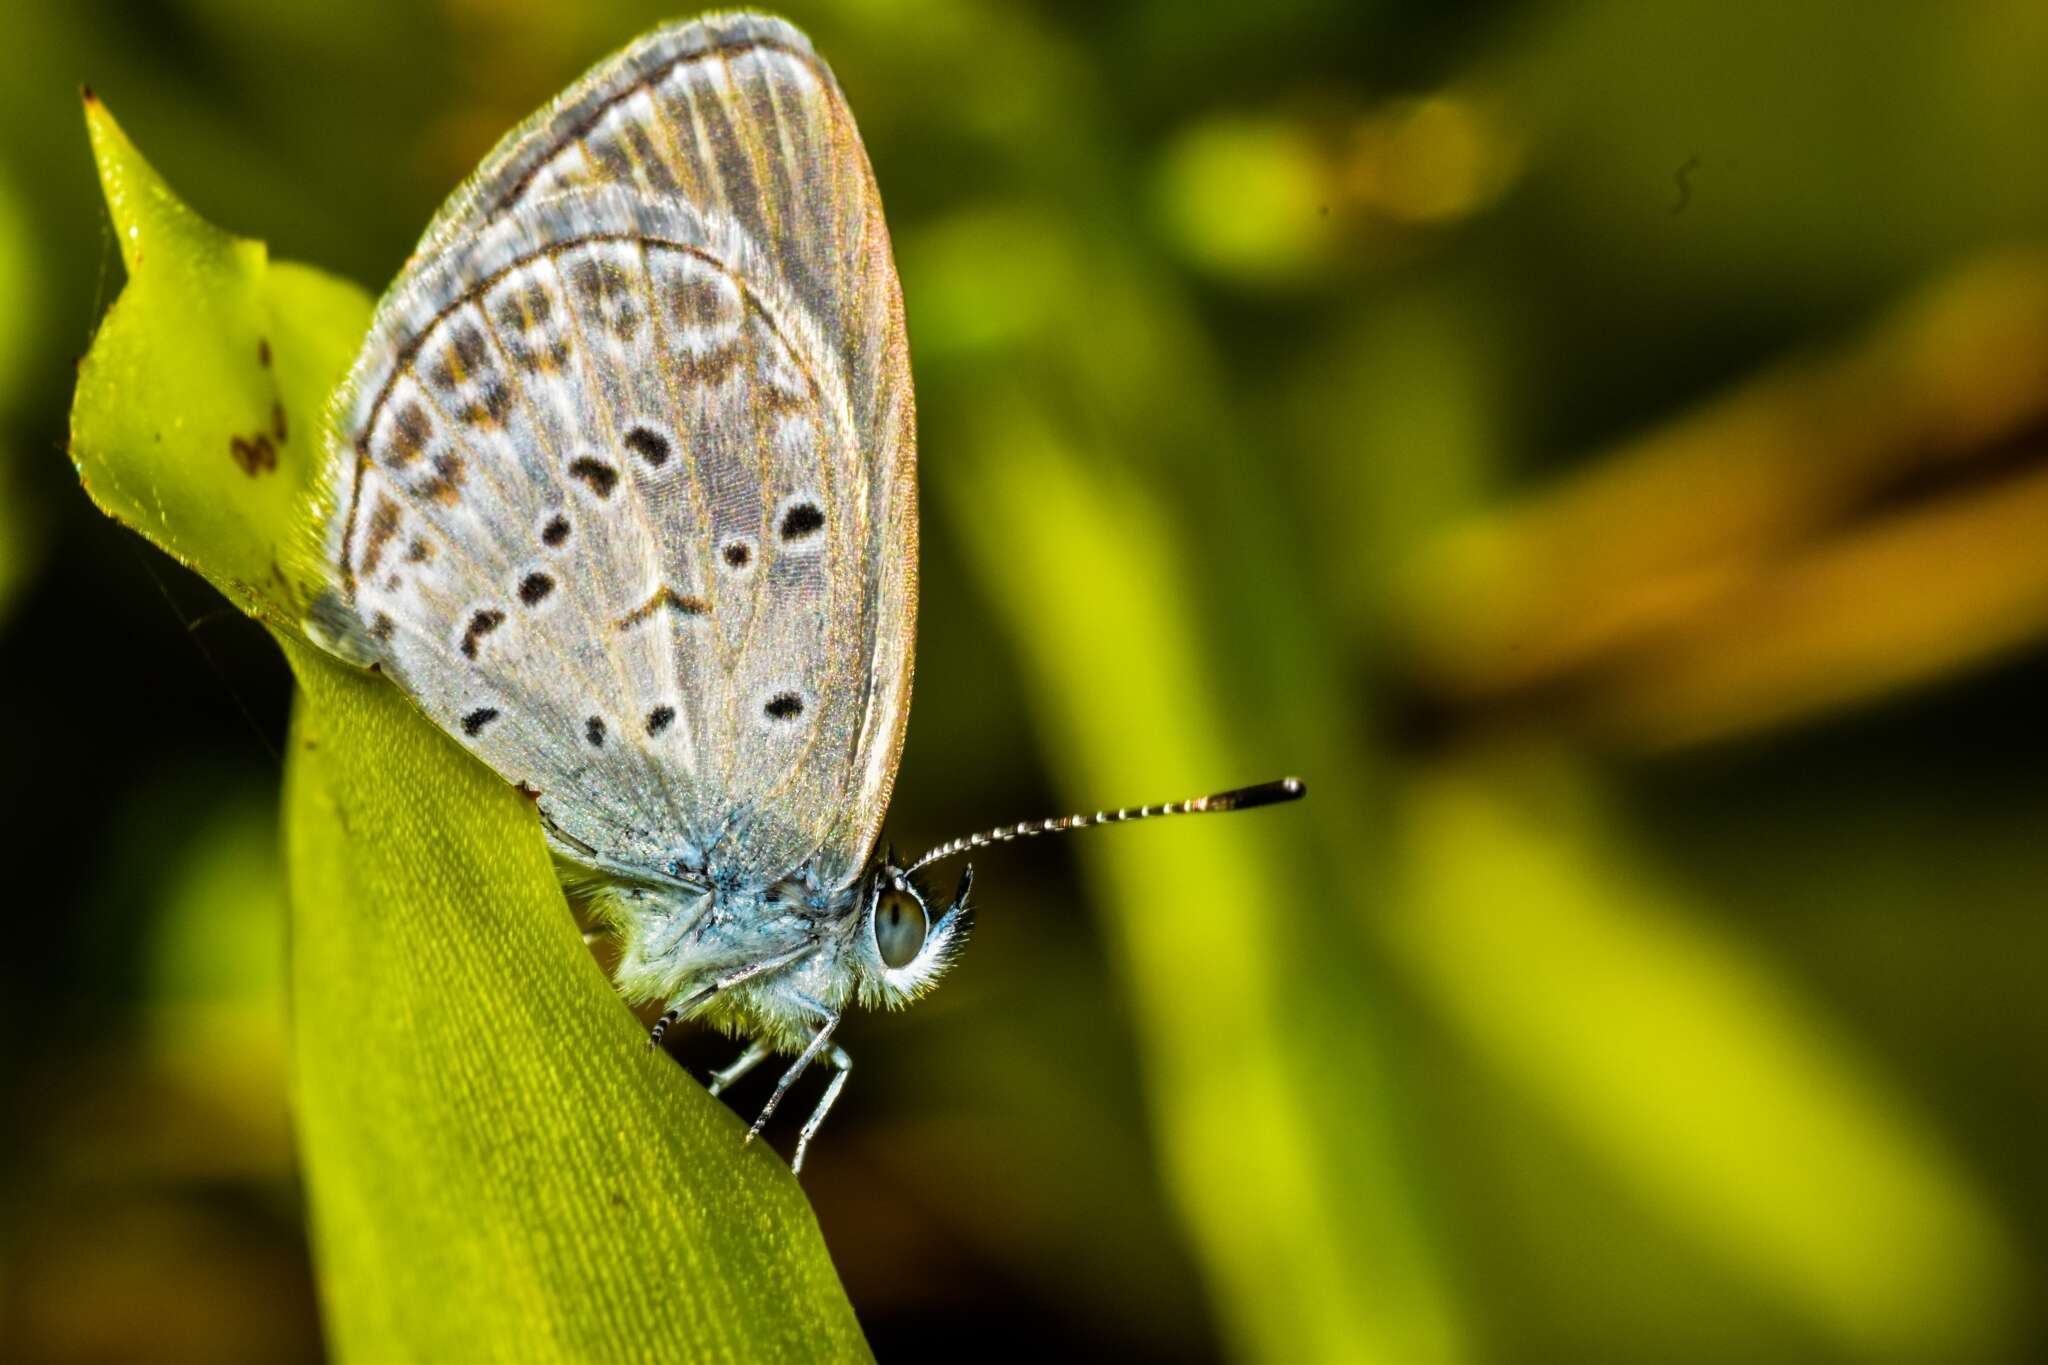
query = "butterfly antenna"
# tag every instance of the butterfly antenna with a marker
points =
(1243, 798)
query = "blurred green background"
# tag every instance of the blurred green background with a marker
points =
(1602, 447)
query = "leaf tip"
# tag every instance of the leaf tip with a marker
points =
(143, 207)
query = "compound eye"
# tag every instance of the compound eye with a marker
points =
(899, 927)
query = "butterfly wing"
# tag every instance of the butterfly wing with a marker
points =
(622, 486)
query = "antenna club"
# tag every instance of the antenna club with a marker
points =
(1264, 794)
(1241, 798)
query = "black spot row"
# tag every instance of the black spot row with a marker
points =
(738, 553)
(658, 720)
(784, 706)
(556, 531)
(534, 587)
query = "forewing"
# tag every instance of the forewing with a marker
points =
(664, 311)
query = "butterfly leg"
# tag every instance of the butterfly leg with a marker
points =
(843, 1066)
(661, 1027)
(727, 982)
(796, 1069)
(756, 1052)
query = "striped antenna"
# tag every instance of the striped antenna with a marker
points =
(1244, 798)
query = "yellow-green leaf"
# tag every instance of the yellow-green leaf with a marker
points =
(1277, 1139)
(497, 1166)
(199, 409)
(500, 1167)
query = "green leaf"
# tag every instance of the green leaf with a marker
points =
(497, 1165)
(1274, 1109)
(500, 1166)
(200, 407)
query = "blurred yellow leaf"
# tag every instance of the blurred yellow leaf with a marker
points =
(1832, 531)
(1687, 1067)
(1248, 198)
(1313, 1248)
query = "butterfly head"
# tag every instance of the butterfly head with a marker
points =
(904, 944)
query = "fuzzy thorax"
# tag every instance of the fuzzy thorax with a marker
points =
(772, 965)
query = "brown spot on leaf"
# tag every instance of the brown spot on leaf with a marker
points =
(253, 455)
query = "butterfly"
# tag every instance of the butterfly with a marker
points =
(621, 491)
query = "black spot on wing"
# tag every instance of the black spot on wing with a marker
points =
(649, 444)
(599, 476)
(784, 706)
(475, 721)
(535, 587)
(480, 625)
(802, 520)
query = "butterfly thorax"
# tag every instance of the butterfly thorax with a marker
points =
(771, 963)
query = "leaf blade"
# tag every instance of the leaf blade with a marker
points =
(576, 1191)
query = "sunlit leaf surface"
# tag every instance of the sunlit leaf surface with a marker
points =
(500, 1167)
(200, 406)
